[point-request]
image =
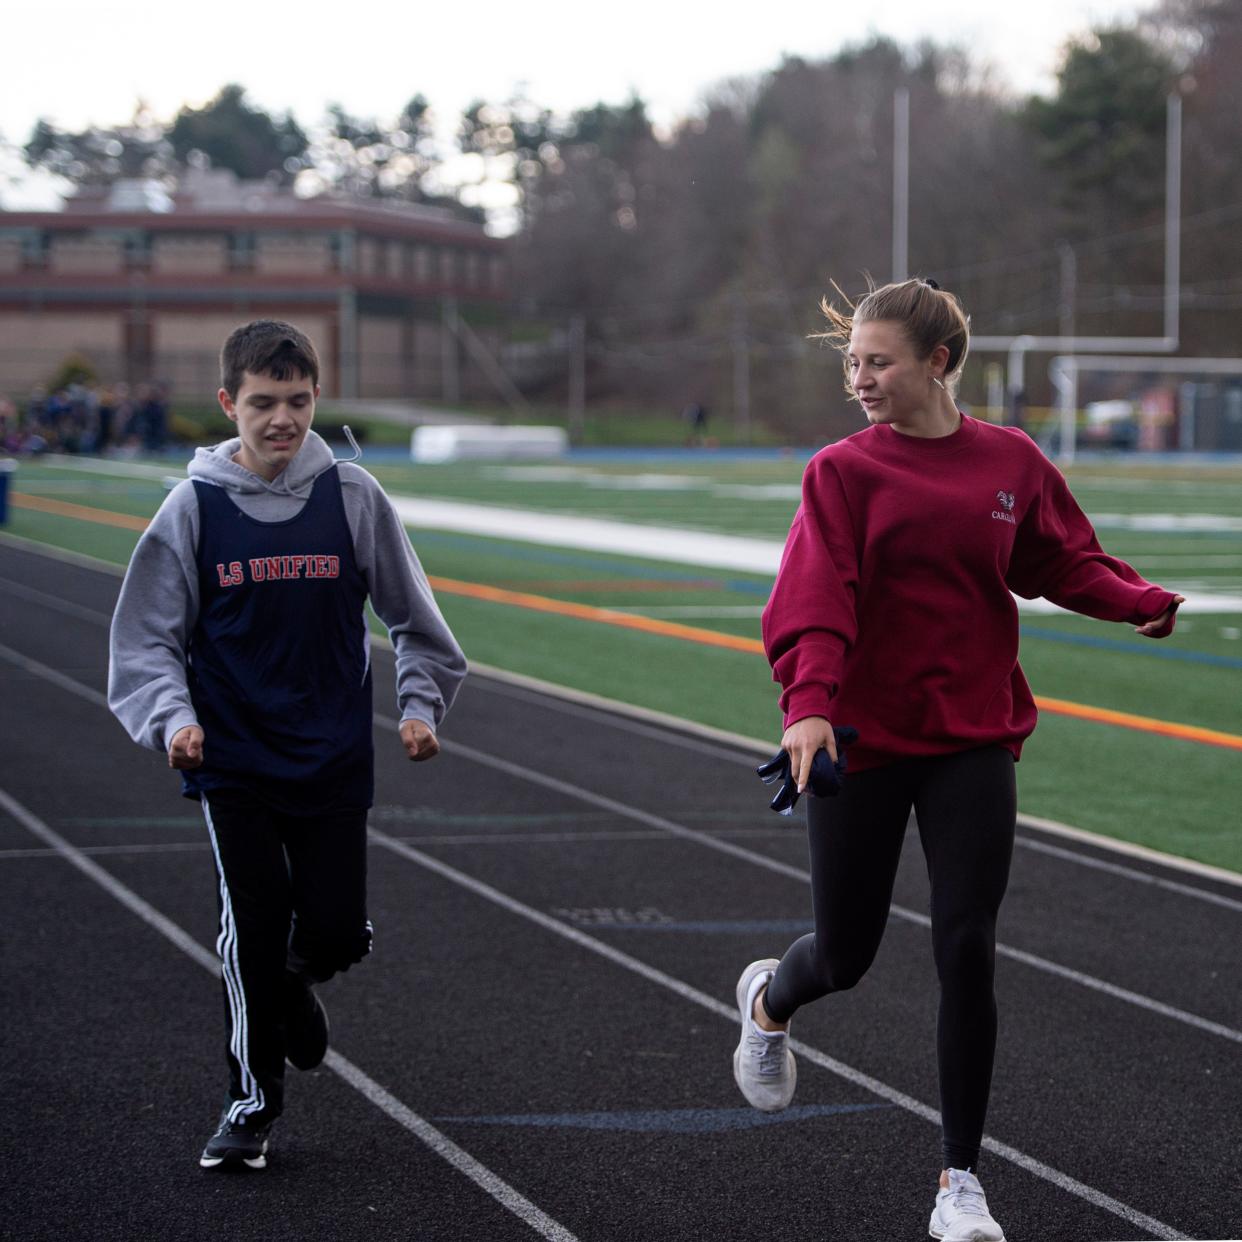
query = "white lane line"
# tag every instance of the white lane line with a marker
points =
(1129, 849)
(621, 716)
(1130, 873)
(67, 607)
(49, 552)
(729, 1012)
(746, 750)
(441, 1144)
(797, 873)
(104, 851)
(501, 839)
(38, 669)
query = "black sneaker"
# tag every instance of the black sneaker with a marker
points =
(305, 1021)
(235, 1143)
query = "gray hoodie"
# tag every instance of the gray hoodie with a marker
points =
(158, 606)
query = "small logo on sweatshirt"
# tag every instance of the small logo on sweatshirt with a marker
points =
(1005, 512)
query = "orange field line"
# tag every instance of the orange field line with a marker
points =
(671, 629)
(1144, 724)
(604, 616)
(62, 508)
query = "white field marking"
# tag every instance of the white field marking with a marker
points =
(629, 716)
(1130, 873)
(1168, 522)
(1189, 560)
(1131, 850)
(103, 851)
(429, 838)
(1200, 602)
(54, 602)
(38, 669)
(51, 553)
(444, 1147)
(531, 838)
(568, 530)
(797, 873)
(447, 1150)
(587, 476)
(1124, 483)
(791, 492)
(729, 1013)
(109, 465)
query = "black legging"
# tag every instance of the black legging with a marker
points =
(966, 805)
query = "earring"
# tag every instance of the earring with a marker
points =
(936, 380)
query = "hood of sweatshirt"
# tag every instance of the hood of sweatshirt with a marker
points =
(216, 465)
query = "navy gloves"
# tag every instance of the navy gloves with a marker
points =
(825, 778)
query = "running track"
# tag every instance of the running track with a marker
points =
(540, 1044)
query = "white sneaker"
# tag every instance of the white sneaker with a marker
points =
(763, 1066)
(961, 1213)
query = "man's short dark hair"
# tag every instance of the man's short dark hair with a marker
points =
(267, 347)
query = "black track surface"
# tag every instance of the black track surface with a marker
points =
(601, 1095)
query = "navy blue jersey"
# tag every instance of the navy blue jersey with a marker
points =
(279, 661)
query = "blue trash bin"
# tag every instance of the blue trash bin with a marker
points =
(7, 466)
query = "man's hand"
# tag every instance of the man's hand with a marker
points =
(419, 741)
(1161, 626)
(186, 749)
(802, 739)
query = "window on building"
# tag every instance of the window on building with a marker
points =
(35, 248)
(241, 251)
(138, 248)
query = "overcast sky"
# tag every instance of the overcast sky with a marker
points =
(86, 63)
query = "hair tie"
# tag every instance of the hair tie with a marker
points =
(931, 284)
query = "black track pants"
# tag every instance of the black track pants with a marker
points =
(291, 892)
(966, 804)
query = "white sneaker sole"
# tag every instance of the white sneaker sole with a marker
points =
(251, 1162)
(939, 1234)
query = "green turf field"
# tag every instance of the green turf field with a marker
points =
(1173, 795)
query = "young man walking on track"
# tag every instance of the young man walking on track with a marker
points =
(892, 613)
(240, 648)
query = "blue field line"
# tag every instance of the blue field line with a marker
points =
(710, 927)
(1131, 648)
(667, 1121)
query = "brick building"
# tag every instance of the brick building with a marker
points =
(146, 287)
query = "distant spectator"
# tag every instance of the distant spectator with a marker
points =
(10, 433)
(154, 419)
(106, 417)
(695, 415)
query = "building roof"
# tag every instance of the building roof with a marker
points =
(217, 199)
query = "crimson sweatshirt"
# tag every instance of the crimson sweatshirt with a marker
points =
(892, 610)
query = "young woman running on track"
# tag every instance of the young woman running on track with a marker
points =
(892, 612)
